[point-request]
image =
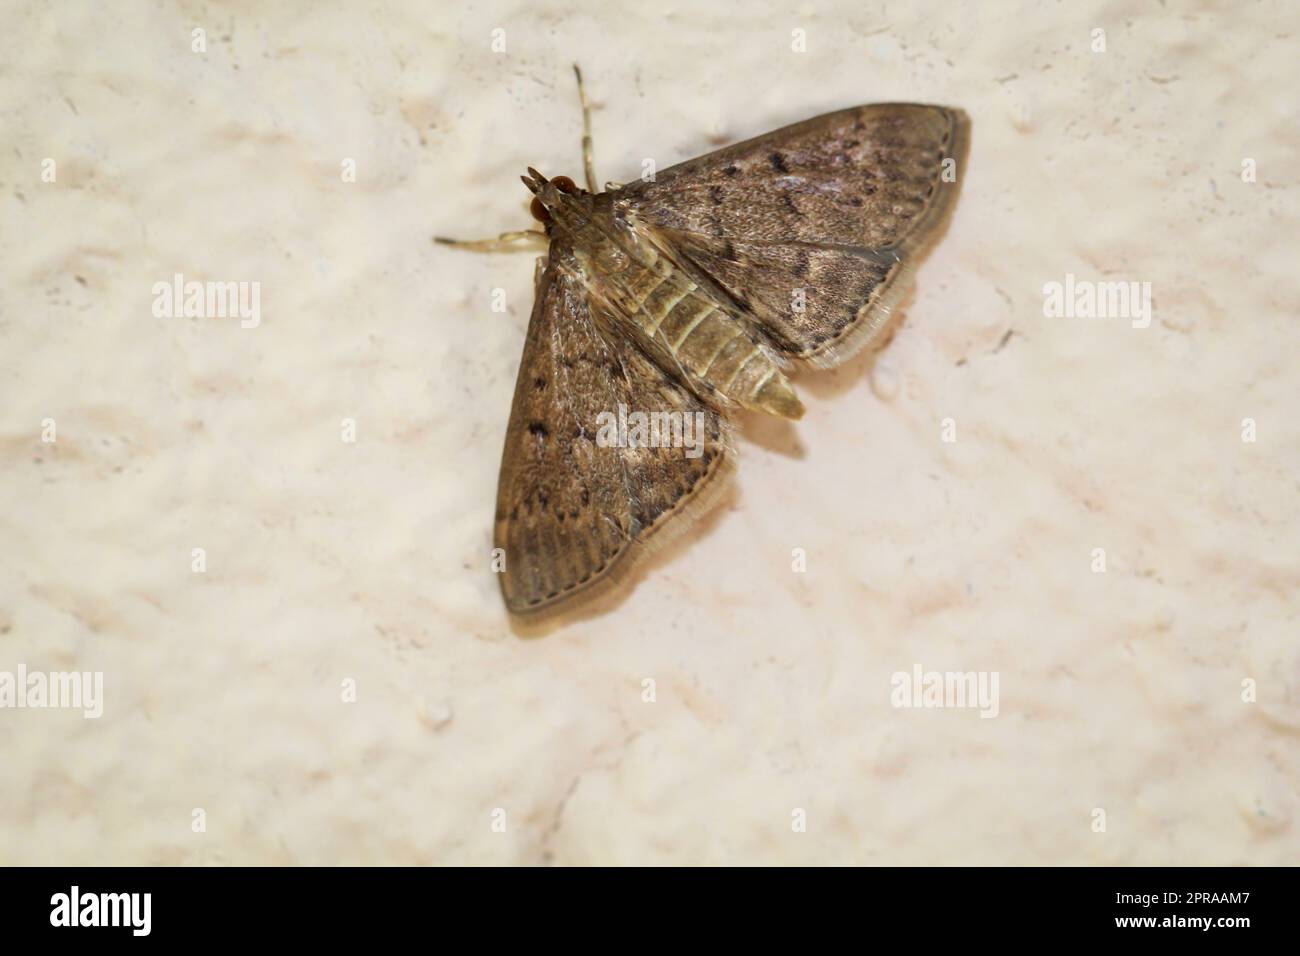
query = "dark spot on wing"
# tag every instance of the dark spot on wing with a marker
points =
(731, 169)
(778, 162)
(715, 222)
(715, 193)
(538, 429)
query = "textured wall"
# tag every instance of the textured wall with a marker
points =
(329, 561)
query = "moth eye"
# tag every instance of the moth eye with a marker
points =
(539, 211)
(565, 185)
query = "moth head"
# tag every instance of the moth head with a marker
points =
(559, 201)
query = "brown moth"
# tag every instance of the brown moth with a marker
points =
(684, 297)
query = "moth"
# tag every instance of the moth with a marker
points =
(682, 297)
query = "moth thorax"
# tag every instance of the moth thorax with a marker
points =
(606, 257)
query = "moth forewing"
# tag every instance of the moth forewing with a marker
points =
(909, 251)
(815, 229)
(574, 514)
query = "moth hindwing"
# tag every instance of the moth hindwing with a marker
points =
(665, 304)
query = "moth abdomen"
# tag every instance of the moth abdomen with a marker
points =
(689, 330)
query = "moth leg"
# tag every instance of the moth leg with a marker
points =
(502, 243)
(587, 164)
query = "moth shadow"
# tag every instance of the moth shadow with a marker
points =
(656, 554)
(779, 435)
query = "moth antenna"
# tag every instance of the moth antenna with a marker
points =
(587, 164)
(502, 243)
